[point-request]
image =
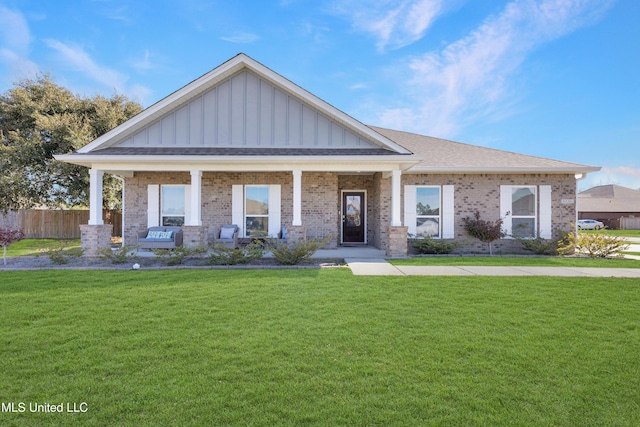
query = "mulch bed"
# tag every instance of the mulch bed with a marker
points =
(152, 263)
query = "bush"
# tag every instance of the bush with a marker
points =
(483, 230)
(176, 256)
(296, 253)
(429, 245)
(119, 255)
(223, 255)
(595, 245)
(539, 245)
(62, 254)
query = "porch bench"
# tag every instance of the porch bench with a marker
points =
(160, 238)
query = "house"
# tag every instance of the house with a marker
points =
(608, 204)
(244, 145)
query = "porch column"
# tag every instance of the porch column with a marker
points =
(196, 198)
(95, 196)
(396, 175)
(297, 197)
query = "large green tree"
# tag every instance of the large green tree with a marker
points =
(38, 119)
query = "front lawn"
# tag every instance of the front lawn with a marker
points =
(37, 247)
(506, 261)
(318, 347)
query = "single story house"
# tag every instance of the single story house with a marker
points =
(244, 145)
(608, 204)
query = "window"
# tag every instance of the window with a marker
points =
(428, 211)
(172, 199)
(523, 211)
(256, 210)
(526, 211)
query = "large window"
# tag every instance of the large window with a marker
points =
(523, 211)
(173, 205)
(428, 211)
(256, 210)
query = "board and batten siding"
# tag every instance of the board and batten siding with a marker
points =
(246, 111)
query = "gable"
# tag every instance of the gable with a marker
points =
(246, 111)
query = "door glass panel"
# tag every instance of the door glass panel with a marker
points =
(353, 212)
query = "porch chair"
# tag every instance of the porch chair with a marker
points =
(228, 236)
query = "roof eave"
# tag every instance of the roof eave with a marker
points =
(577, 169)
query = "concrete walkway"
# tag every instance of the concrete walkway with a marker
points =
(380, 267)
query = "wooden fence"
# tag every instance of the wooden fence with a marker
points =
(55, 224)
(630, 223)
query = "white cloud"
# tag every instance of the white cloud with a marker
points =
(625, 176)
(15, 39)
(395, 23)
(242, 38)
(76, 58)
(470, 78)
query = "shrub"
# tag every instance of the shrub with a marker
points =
(429, 245)
(296, 253)
(539, 245)
(7, 237)
(595, 245)
(118, 255)
(62, 254)
(176, 256)
(223, 255)
(483, 230)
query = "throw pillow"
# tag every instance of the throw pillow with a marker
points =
(227, 233)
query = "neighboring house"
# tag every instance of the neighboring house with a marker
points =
(244, 145)
(609, 203)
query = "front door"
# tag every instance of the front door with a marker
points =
(353, 217)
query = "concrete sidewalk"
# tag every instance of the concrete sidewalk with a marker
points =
(380, 267)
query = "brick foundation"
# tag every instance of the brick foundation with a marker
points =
(95, 237)
(194, 236)
(397, 242)
(297, 233)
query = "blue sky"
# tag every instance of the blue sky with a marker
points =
(550, 78)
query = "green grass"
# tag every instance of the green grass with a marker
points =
(495, 261)
(623, 233)
(35, 247)
(319, 347)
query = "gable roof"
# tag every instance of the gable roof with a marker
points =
(237, 68)
(243, 116)
(609, 198)
(441, 155)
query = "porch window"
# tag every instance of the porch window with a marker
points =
(172, 199)
(256, 202)
(256, 209)
(523, 211)
(428, 211)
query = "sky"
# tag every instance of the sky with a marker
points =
(549, 78)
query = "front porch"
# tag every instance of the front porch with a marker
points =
(309, 204)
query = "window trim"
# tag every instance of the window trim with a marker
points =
(162, 204)
(438, 217)
(535, 215)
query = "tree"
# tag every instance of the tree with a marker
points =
(483, 230)
(38, 119)
(7, 237)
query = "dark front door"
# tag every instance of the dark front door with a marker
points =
(353, 217)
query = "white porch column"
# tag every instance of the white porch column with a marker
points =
(297, 197)
(95, 196)
(396, 175)
(196, 198)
